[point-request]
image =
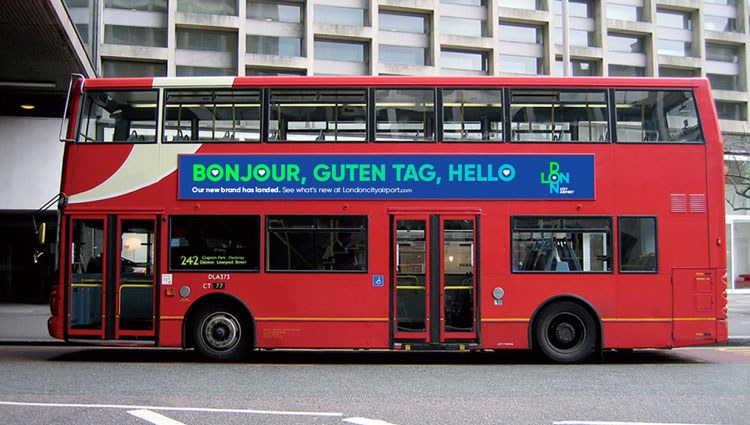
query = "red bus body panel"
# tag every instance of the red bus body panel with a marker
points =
(683, 304)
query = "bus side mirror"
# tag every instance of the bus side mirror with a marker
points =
(41, 233)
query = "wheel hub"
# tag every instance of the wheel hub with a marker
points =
(565, 333)
(221, 331)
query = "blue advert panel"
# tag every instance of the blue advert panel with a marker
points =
(386, 176)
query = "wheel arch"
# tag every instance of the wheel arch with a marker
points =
(187, 323)
(573, 298)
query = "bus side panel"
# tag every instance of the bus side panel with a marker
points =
(622, 333)
(321, 334)
(644, 312)
(694, 306)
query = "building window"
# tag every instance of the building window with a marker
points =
(275, 11)
(464, 60)
(212, 7)
(214, 242)
(583, 38)
(626, 71)
(349, 51)
(724, 82)
(212, 41)
(339, 57)
(625, 43)
(317, 243)
(465, 2)
(135, 36)
(675, 33)
(262, 71)
(521, 33)
(576, 8)
(638, 244)
(520, 64)
(203, 71)
(625, 11)
(730, 111)
(140, 5)
(196, 48)
(403, 22)
(403, 55)
(340, 15)
(579, 67)
(121, 68)
(562, 244)
(722, 2)
(719, 23)
(674, 19)
(722, 53)
(523, 4)
(463, 26)
(270, 45)
(674, 47)
(677, 72)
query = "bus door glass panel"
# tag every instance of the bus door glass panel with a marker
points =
(135, 295)
(411, 273)
(459, 277)
(87, 276)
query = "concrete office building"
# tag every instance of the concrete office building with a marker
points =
(675, 38)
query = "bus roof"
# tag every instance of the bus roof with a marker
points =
(393, 81)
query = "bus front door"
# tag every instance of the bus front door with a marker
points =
(434, 279)
(111, 275)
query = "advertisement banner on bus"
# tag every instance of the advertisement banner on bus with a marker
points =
(386, 177)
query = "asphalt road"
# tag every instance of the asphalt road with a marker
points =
(60, 385)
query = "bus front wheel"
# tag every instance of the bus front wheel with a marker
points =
(220, 333)
(565, 332)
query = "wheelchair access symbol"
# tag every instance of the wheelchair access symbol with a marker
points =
(378, 280)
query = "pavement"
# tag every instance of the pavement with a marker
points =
(27, 323)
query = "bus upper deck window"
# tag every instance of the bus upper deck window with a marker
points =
(557, 115)
(118, 116)
(657, 116)
(212, 115)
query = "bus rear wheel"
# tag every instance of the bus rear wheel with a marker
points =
(565, 332)
(220, 333)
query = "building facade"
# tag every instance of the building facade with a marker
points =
(672, 38)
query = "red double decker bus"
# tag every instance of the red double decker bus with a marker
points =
(564, 215)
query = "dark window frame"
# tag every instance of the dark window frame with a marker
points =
(194, 122)
(257, 245)
(318, 229)
(659, 140)
(606, 138)
(111, 106)
(610, 244)
(620, 250)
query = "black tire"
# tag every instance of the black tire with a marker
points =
(221, 333)
(565, 332)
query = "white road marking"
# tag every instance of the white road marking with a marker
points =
(615, 423)
(172, 408)
(154, 417)
(365, 421)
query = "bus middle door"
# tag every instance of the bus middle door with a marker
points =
(434, 280)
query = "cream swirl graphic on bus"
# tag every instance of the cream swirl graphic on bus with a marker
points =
(384, 176)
